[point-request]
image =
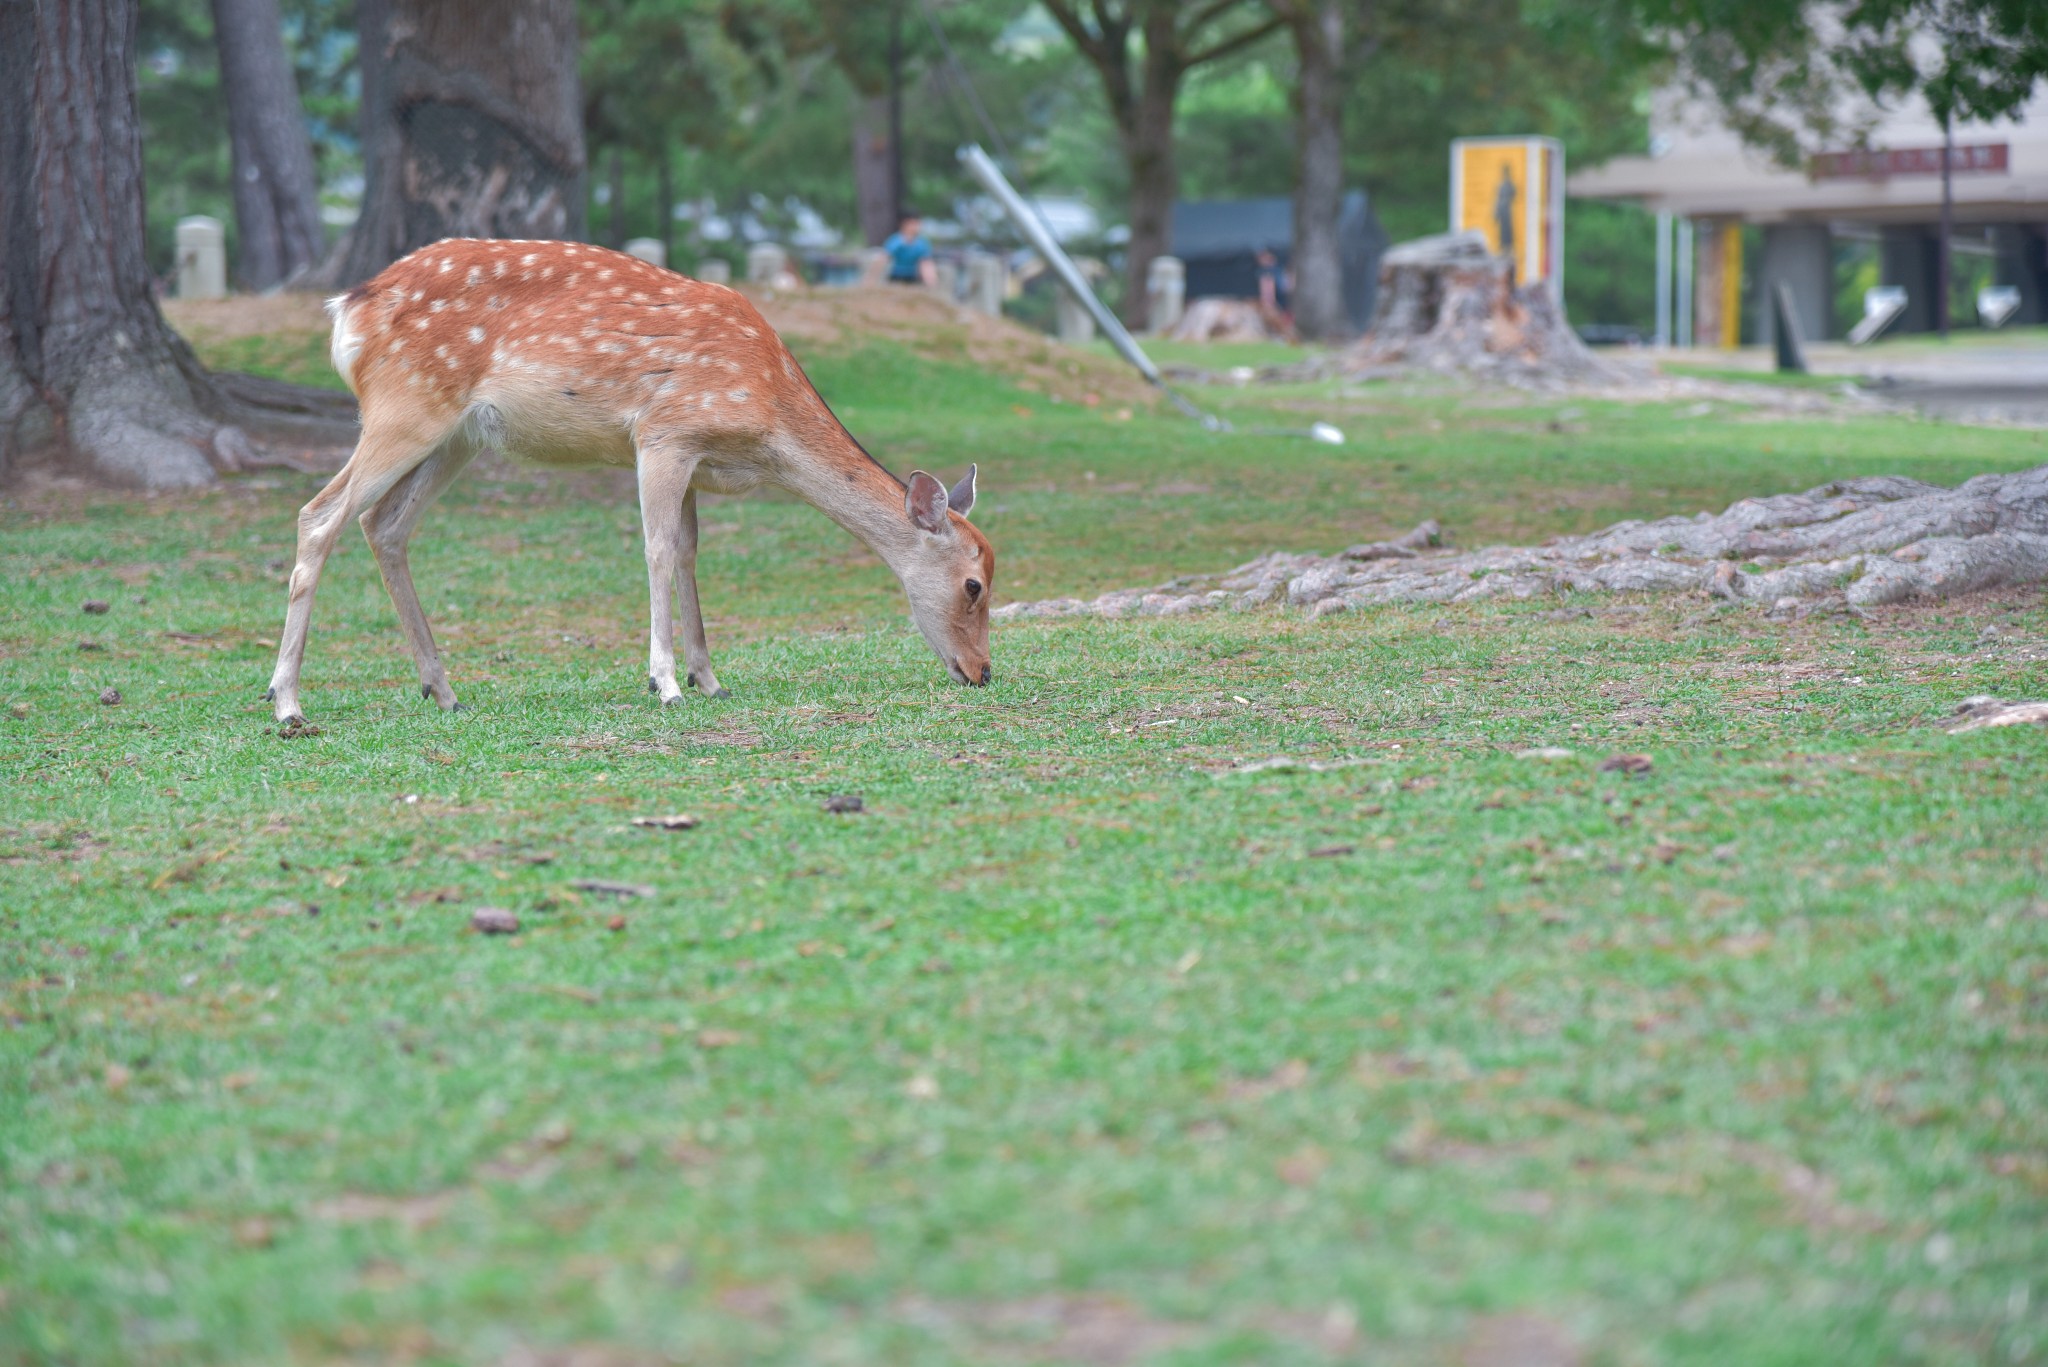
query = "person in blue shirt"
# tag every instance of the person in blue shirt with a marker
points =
(910, 256)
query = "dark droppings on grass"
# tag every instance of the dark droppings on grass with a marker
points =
(844, 804)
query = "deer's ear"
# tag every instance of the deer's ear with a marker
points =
(925, 501)
(961, 498)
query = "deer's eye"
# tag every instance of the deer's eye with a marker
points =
(973, 589)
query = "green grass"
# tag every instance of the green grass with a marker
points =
(1075, 1046)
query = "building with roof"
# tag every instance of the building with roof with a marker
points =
(1703, 180)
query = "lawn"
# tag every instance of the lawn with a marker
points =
(1086, 1040)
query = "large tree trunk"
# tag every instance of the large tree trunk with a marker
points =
(89, 370)
(472, 125)
(874, 167)
(277, 202)
(1318, 27)
(1146, 124)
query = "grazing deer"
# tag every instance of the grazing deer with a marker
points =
(566, 354)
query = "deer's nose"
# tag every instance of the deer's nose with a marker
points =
(987, 672)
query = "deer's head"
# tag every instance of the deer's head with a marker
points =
(949, 575)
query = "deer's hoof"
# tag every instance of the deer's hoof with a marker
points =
(458, 707)
(721, 692)
(270, 695)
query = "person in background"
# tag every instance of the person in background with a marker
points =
(910, 256)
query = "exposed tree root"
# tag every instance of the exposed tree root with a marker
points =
(1977, 713)
(1858, 542)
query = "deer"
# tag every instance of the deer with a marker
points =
(564, 354)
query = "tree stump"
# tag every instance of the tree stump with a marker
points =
(1447, 304)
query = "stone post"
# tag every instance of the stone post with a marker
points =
(766, 263)
(946, 280)
(202, 258)
(986, 277)
(874, 266)
(715, 270)
(648, 249)
(1076, 324)
(1166, 292)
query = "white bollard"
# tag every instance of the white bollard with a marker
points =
(946, 280)
(874, 266)
(202, 258)
(1075, 323)
(766, 264)
(986, 277)
(715, 270)
(648, 249)
(1166, 293)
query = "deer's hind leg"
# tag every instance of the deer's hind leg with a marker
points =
(388, 525)
(385, 455)
(696, 650)
(664, 489)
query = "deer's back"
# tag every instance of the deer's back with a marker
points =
(560, 352)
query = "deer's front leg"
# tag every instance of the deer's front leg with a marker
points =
(664, 483)
(697, 650)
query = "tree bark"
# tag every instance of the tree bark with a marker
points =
(1318, 29)
(1447, 304)
(472, 126)
(277, 200)
(1142, 102)
(874, 168)
(615, 232)
(1853, 544)
(89, 371)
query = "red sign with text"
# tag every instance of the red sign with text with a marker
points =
(1877, 163)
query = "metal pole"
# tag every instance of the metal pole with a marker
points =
(1948, 223)
(1682, 327)
(1035, 232)
(1663, 278)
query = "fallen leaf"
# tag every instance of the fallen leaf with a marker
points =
(615, 924)
(1664, 851)
(254, 1232)
(922, 1087)
(842, 803)
(117, 1077)
(94, 606)
(1330, 851)
(1304, 1167)
(493, 921)
(719, 1039)
(1187, 962)
(1626, 764)
(110, 696)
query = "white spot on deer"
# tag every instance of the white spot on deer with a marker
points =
(476, 334)
(604, 275)
(438, 305)
(441, 351)
(498, 269)
(546, 271)
(419, 323)
(453, 362)
(447, 264)
(476, 275)
(738, 396)
(418, 295)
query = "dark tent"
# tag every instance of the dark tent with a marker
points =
(1220, 240)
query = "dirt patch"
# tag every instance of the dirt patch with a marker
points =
(933, 327)
(246, 315)
(1518, 1339)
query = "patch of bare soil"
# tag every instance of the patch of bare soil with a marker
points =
(933, 327)
(247, 315)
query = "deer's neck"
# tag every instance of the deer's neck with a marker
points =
(836, 477)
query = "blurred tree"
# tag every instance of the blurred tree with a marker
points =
(1143, 50)
(89, 370)
(472, 125)
(1327, 41)
(277, 202)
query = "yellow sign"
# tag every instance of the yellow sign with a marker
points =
(1512, 191)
